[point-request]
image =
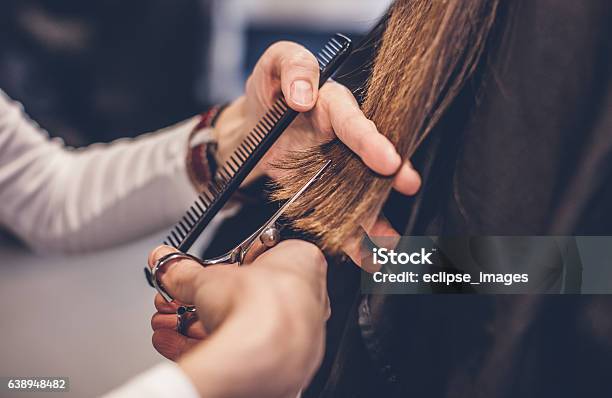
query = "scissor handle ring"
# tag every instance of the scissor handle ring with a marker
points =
(161, 263)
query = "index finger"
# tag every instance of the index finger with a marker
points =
(338, 109)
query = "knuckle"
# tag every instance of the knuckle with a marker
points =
(322, 122)
(279, 45)
(154, 255)
(338, 89)
(249, 84)
(154, 321)
(310, 252)
(372, 125)
(301, 58)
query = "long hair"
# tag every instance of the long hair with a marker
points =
(427, 52)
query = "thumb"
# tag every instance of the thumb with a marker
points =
(295, 68)
(179, 277)
(212, 290)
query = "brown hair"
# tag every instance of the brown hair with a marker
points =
(428, 50)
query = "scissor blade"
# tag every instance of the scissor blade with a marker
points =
(299, 193)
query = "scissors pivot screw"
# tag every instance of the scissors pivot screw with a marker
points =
(270, 237)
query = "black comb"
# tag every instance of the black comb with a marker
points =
(229, 177)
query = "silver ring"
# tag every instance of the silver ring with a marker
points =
(162, 262)
(182, 315)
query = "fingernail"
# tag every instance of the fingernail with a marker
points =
(301, 92)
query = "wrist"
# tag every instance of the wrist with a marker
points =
(231, 128)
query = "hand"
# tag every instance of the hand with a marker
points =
(273, 310)
(290, 69)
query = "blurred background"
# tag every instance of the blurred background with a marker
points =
(98, 70)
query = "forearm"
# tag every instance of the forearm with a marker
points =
(68, 201)
(58, 199)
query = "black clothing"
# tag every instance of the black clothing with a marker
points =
(525, 149)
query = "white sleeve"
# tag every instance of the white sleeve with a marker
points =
(162, 381)
(62, 200)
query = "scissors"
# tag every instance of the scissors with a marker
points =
(268, 234)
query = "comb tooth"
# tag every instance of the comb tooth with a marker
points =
(231, 165)
(227, 171)
(268, 126)
(242, 151)
(323, 57)
(194, 213)
(278, 106)
(251, 141)
(333, 45)
(245, 147)
(235, 162)
(331, 49)
(258, 131)
(265, 124)
(212, 191)
(336, 42)
(165, 242)
(275, 114)
(218, 188)
(282, 108)
(220, 181)
(193, 216)
(174, 235)
(197, 204)
(205, 199)
(283, 104)
(270, 119)
(222, 178)
(327, 54)
(170, 242)
(248, 145)
(183, 228)
(187, 222)
(239, 155)
(253, 138)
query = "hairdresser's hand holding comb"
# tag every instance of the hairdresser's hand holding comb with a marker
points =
(290, 69)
